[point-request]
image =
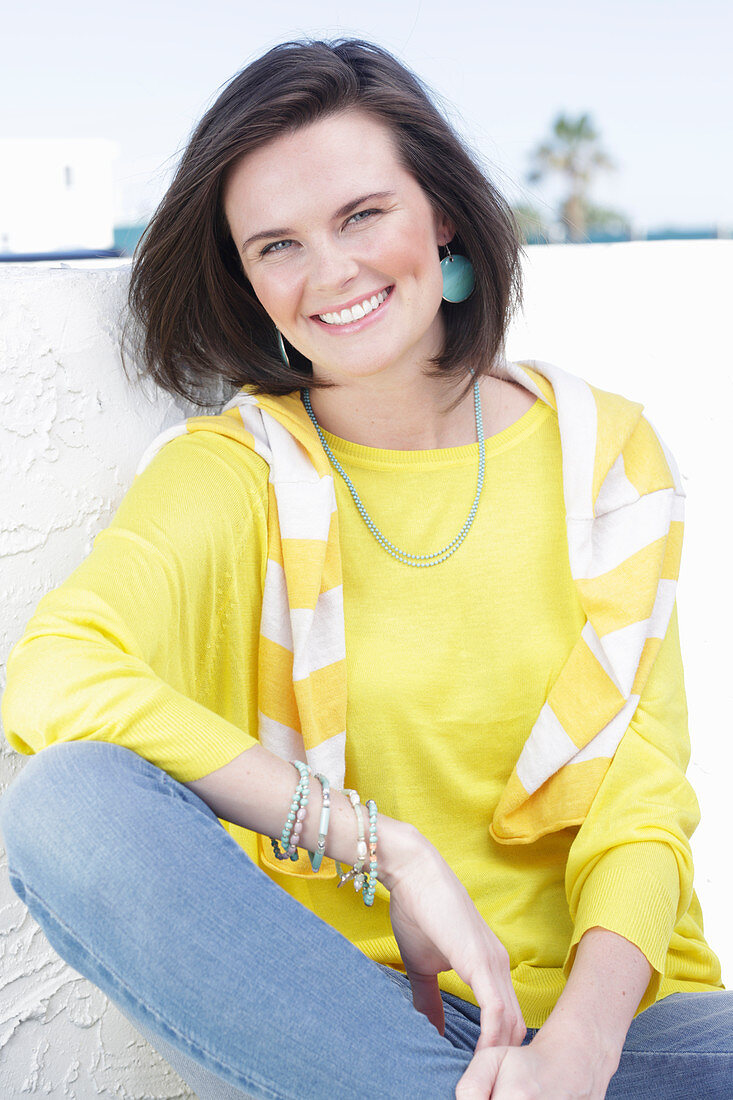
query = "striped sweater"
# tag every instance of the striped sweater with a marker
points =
(624, 512)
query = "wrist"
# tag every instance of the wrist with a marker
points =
(604, 988)
(398, 845)
(581, 1037)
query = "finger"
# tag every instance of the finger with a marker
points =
(495, 1029)
(427, 999)
(501, 1019)
(502, 1023)
(477, 1082)
(519, 1031)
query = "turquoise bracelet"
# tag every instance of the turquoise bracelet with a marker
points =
(371, 886)
(294, 823)
(317, 856)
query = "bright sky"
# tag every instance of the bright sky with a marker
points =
(655, 75)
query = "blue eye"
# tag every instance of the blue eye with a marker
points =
(361, 215)
(276, 246)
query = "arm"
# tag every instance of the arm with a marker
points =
(435, 923)
(628, 880)
(593, 1014)
(577, 1051)
(122, 652)
(630, 868)
(152, 644)
(254, 791)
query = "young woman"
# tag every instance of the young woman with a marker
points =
(401, 617)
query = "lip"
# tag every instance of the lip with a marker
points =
(355, 326)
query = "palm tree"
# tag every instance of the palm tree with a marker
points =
(574, 154)
(531, 223)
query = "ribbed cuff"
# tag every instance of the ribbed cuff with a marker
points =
(633, 891)
(184, 738)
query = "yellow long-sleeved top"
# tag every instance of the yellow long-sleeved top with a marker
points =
(153, 641)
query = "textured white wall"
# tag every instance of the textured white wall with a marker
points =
(649, 320)
(72, 431)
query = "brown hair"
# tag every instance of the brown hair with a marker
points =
(199, 320)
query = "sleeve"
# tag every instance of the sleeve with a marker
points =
(152, 642)
(629, 868)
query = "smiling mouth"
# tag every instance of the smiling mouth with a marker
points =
(357, 311)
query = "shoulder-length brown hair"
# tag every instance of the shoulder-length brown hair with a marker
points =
(198, 320)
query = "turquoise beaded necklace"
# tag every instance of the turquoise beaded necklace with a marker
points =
(419, 561)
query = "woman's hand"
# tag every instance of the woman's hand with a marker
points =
(577, 1050)
(543, 1070)
(437, 927)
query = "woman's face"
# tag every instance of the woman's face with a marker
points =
(340, 244)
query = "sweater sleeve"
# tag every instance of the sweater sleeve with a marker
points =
(152, 641)
(630, 867)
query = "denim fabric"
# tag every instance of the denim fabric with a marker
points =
(242, 990)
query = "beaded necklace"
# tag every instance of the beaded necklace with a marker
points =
(419, 561)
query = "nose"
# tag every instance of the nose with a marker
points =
(332, 266)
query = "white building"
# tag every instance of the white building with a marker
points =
(56, 196)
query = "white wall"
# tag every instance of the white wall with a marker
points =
(71, 432)
(652, 321)
(649, 320)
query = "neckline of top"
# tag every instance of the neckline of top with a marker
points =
(449, 456)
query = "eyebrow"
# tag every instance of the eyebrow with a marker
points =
(342, 212)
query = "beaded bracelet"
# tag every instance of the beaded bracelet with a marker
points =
(370, 888)
(317, 856)
(297, 824)
(294, 823)
(361, 849)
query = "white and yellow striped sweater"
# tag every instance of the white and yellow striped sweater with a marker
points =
(205, 674)
(624, 512)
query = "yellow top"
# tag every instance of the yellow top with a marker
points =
(153, 643)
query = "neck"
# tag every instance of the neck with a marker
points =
(396, 414)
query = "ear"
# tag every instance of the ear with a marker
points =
(445, 230)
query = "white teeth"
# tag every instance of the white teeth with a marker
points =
(347, 316)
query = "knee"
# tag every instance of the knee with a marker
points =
(46, 807)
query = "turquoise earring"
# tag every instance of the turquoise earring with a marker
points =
(281, 346)
(459, 278)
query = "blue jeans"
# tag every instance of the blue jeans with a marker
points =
(241, 989)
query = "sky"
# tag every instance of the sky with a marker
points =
(655, 76)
